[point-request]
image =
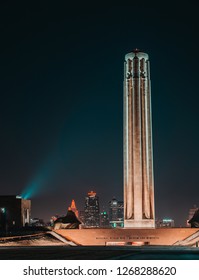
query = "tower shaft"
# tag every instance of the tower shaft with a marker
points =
(138, 155)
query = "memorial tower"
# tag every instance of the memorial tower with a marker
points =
(138, 153)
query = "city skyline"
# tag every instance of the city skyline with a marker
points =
(61, 106)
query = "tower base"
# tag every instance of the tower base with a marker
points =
(137, 237)
(145, 223)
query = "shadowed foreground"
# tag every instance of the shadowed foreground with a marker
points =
(98, 253)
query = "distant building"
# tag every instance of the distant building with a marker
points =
(165, 223)
(74, 208)
(116, 213)
(82, 217)
(14, 212)
(91, 210)
(37, 222)
(104, 220)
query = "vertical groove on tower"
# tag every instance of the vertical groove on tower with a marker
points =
(124, 142)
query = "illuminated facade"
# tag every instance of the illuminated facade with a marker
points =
(91, 210)
(138, 155)
(82, 216)
(165, 223)
(104, 220)
(116, 213)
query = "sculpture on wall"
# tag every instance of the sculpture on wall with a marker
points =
(70, 221)
(194, 221)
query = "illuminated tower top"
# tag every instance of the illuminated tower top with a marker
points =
(136, 65)
(73, 208)
(91, 193)
(136, 53)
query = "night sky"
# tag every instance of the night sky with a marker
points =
(61, 106)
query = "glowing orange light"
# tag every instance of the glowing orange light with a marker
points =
(73, 208)
(92, 193)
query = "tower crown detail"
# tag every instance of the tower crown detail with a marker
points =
(136, 53)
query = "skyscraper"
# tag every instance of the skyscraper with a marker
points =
(138, 157)
(116, 213)
(91, 210)
(74, 208)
